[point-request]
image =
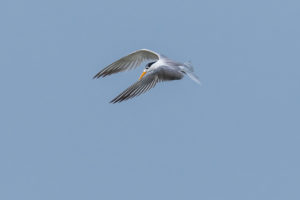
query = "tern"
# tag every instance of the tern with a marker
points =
(161, 68)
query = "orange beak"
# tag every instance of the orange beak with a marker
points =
(142, 75)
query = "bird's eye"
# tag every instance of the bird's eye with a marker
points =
(149, 65)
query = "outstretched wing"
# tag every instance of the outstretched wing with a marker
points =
(128, 62)
(148, 82)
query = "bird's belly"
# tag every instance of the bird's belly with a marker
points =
(168, 74)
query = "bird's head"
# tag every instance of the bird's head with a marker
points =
(146, 69)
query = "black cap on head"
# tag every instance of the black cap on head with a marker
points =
(149, 65)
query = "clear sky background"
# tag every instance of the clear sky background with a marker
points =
(235, 137)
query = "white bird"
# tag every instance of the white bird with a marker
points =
(159, 69)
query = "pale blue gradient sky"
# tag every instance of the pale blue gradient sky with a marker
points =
(235, 137)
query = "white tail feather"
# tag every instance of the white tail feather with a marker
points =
(189, 70)
(194, 77)
(189, 65)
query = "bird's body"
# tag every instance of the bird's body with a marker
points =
(160, 69)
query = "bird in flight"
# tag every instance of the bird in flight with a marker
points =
(160, 68)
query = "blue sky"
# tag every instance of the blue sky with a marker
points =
(234, 137)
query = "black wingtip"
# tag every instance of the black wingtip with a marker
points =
(100, 75)
(114, 101)
(117, 100)
(97, 76)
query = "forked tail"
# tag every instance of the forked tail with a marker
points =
(189, 70)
